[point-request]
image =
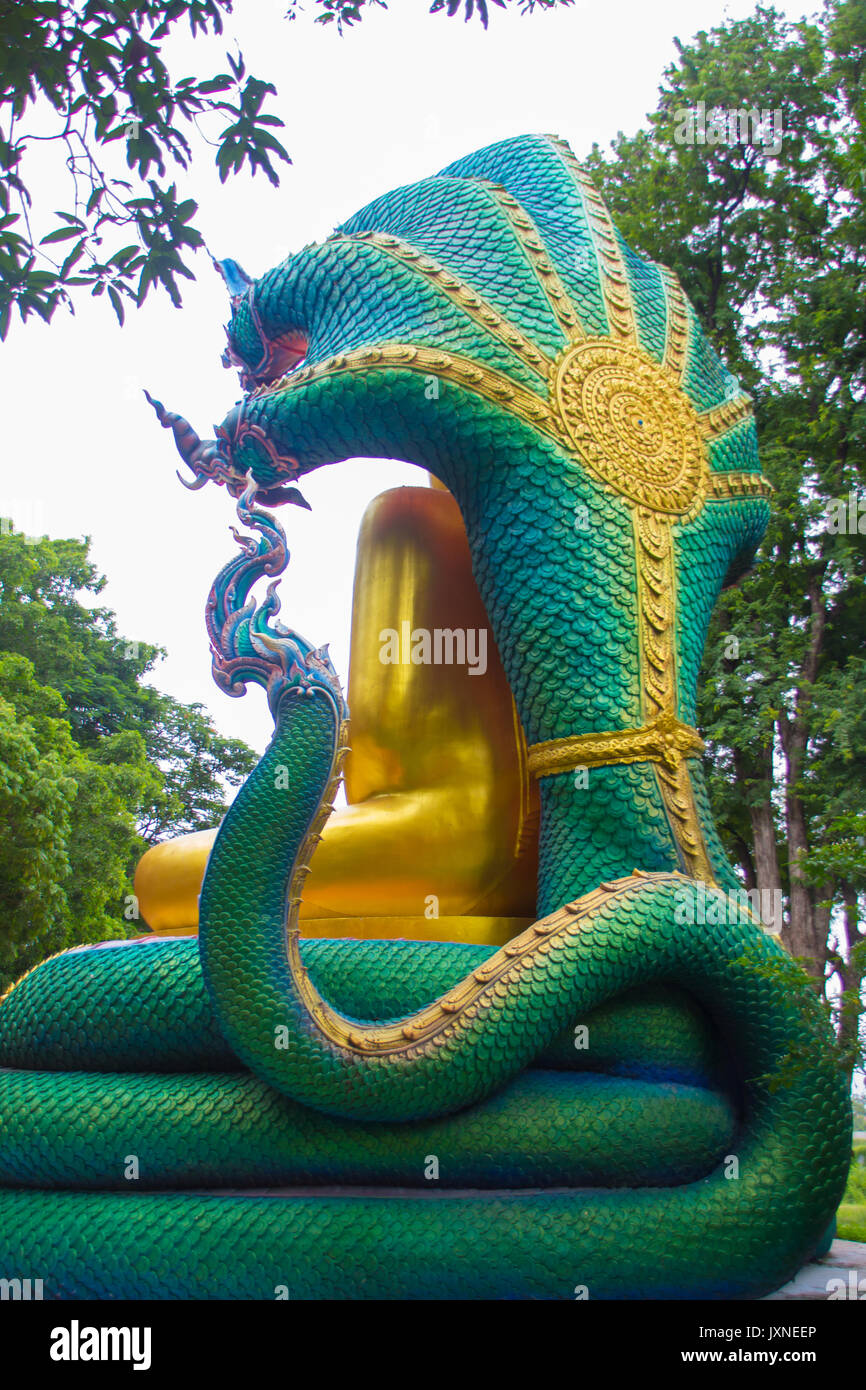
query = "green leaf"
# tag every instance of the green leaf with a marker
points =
(116, 303)
(61, 234)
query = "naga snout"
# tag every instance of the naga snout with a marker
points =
(212, 460)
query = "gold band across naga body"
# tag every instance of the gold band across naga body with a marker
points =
(665, 740)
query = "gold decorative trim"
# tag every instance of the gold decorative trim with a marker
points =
(665, 740)
(474, 305)
(678, 795)
(531, 242)
(725, 486)
(615, 286)
(462, 1003)
(656, 587)
(448, 366)
(657, 607)
(678, 327)
(721, 418)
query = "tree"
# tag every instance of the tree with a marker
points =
(75, 648)
(94, 764)
(67, 827)
(349, 12)
(195, 763)
(770, 243)
(100, 67)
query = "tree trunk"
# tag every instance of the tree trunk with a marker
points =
(762, 870)
(805, 937)
(769, 879)
(851, 972)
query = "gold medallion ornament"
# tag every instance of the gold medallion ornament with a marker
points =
(632, 425)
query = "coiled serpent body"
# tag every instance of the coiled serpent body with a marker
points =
(426, 1118)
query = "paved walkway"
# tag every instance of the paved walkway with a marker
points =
(841, 1274)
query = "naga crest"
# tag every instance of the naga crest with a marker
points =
(491, 325)
(501, 280)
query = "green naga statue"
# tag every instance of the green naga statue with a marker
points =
(490, 325)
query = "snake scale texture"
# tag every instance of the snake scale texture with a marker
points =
(594, 1109)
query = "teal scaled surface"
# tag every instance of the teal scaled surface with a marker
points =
(153, 1013)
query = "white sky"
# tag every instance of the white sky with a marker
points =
(392, 101)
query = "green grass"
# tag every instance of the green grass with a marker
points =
(851, 1221)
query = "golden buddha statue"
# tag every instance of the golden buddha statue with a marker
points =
(439, 836)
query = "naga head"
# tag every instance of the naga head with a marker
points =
(491, 325)
(211, 460)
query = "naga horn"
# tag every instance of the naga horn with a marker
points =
(196, 453)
